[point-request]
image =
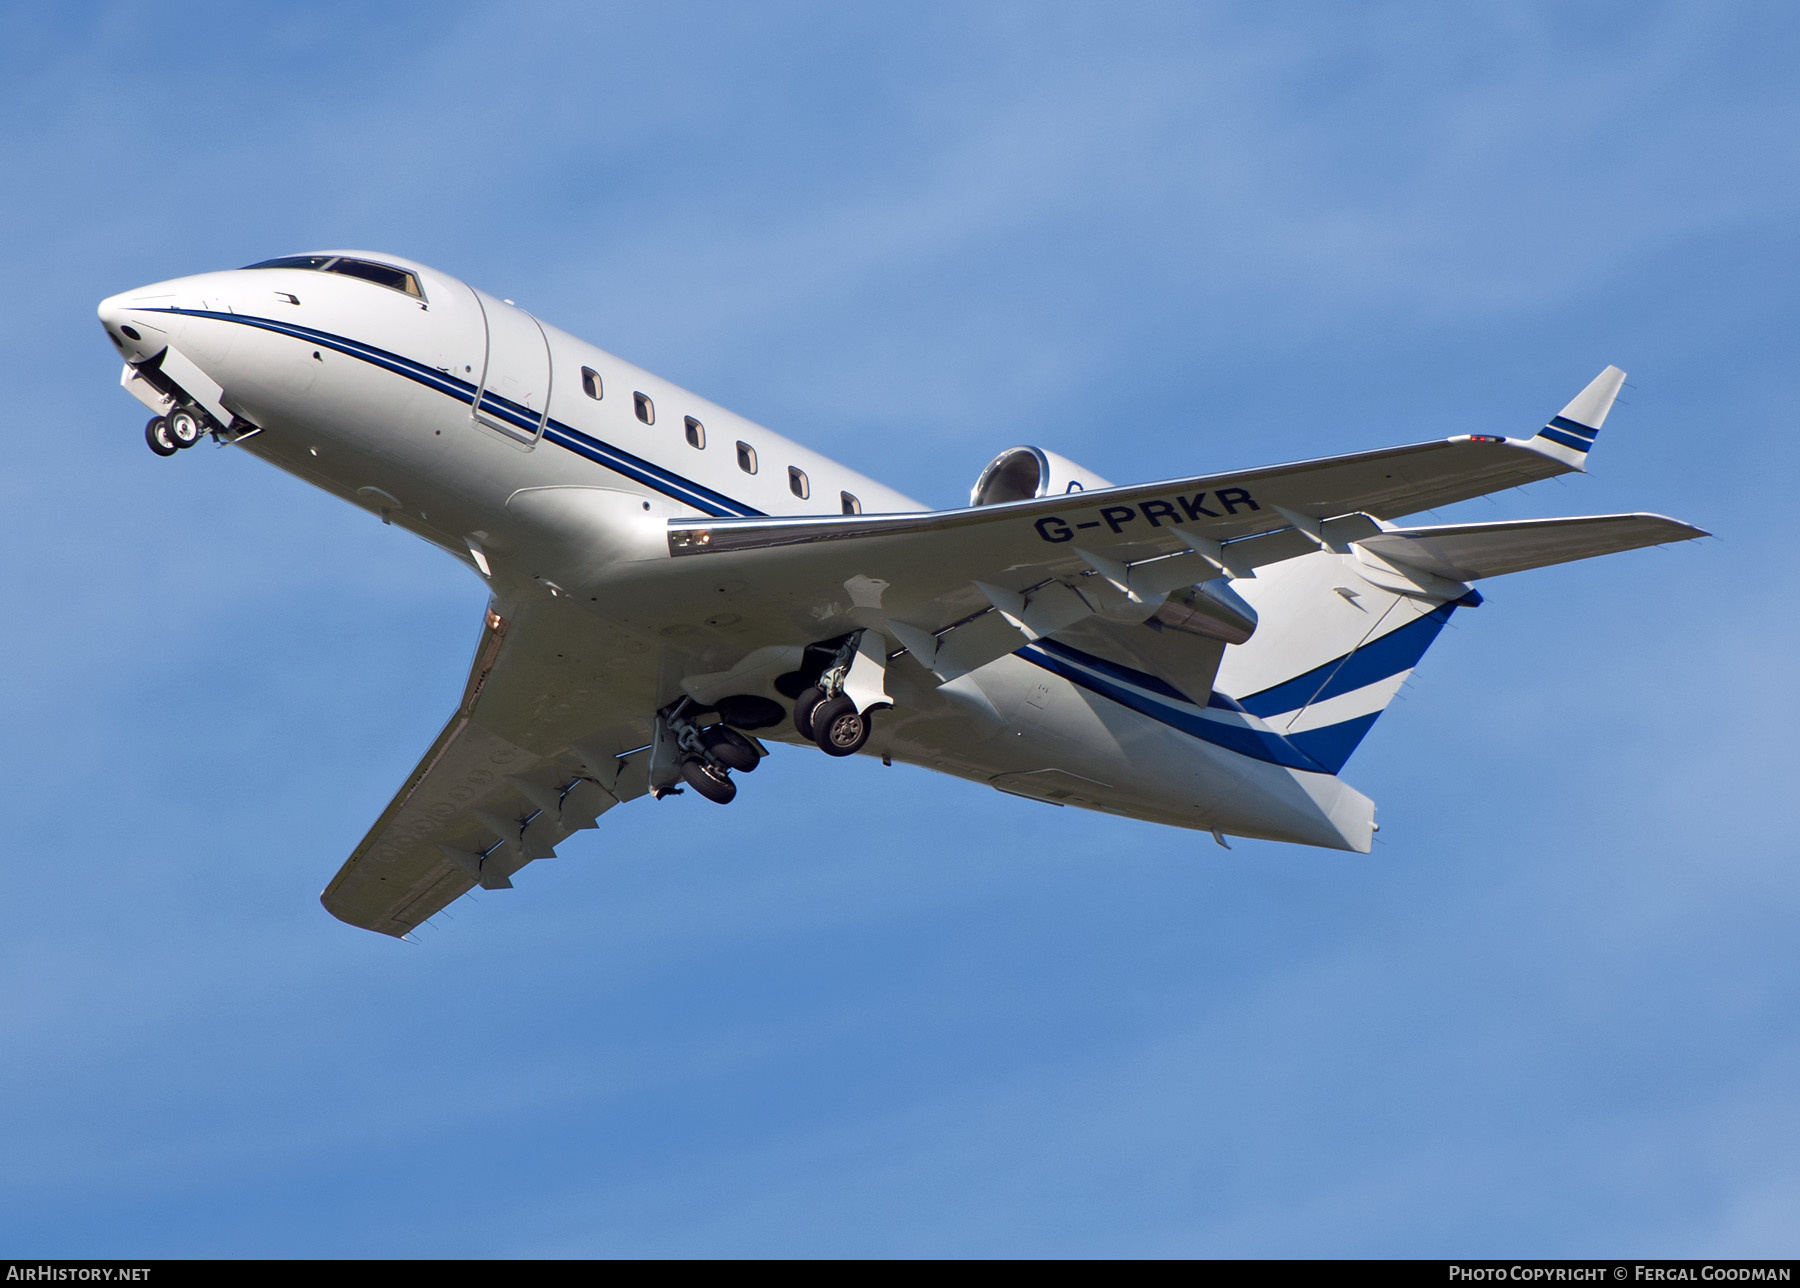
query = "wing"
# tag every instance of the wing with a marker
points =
(926, 573)
(1251, 516)
(1471, 551)
(932, 581)
(958, 588)
(531, 755)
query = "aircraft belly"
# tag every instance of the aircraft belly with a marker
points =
(1063, 744)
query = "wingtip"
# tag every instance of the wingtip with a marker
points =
(1589, 407)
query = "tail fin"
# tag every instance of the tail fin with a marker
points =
(1331, 651)
(1570, 434)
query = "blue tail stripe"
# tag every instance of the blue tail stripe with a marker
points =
(1332, 745)
(1574, 427)
(1567, 440)
(1379, 659)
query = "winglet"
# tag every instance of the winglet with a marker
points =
(1570, 433)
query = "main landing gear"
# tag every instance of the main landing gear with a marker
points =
(832, 722)
(837, 712)
(702, 757)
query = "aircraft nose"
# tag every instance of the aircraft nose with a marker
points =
(126, 321)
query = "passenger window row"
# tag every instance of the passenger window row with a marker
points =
(798, 483)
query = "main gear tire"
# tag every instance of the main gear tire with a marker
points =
(839, 728)
(709, 780)
(804, 706)
(730, 748)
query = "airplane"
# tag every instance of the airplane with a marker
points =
(672, 587)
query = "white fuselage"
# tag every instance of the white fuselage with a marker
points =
(437, 410)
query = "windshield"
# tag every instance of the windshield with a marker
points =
(398, 279)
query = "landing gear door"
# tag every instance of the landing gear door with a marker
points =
(513, 395)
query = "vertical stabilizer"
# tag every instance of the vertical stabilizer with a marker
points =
(1332, 650)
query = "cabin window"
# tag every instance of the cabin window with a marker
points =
(797, 483)
(696, 432)
(646, 409)
(851, 504)
(590, 384)
(746, 458)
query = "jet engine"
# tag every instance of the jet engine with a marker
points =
(1211, 609)
(1021, 473)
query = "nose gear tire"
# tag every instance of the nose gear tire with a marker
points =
(156, 433)
(709, 780)
(838, 728)
(185, 427)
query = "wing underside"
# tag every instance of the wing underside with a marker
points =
(529, 758)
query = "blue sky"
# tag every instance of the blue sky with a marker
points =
(871, 1011)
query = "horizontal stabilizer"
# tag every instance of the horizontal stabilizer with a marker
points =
(1461, 552)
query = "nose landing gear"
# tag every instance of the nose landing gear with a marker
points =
(186, 427)
(182, 427)
(157, 434)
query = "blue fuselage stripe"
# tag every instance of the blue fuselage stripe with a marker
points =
(1258, 744)
(617, 459)
(1142, 679)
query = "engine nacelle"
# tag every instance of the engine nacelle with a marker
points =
(1211, 608)
(1021, 473)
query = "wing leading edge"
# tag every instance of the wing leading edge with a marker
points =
(528, 759)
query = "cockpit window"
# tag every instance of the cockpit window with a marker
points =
(381, 274)
(295, 261)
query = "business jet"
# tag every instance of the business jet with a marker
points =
(672, 587)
